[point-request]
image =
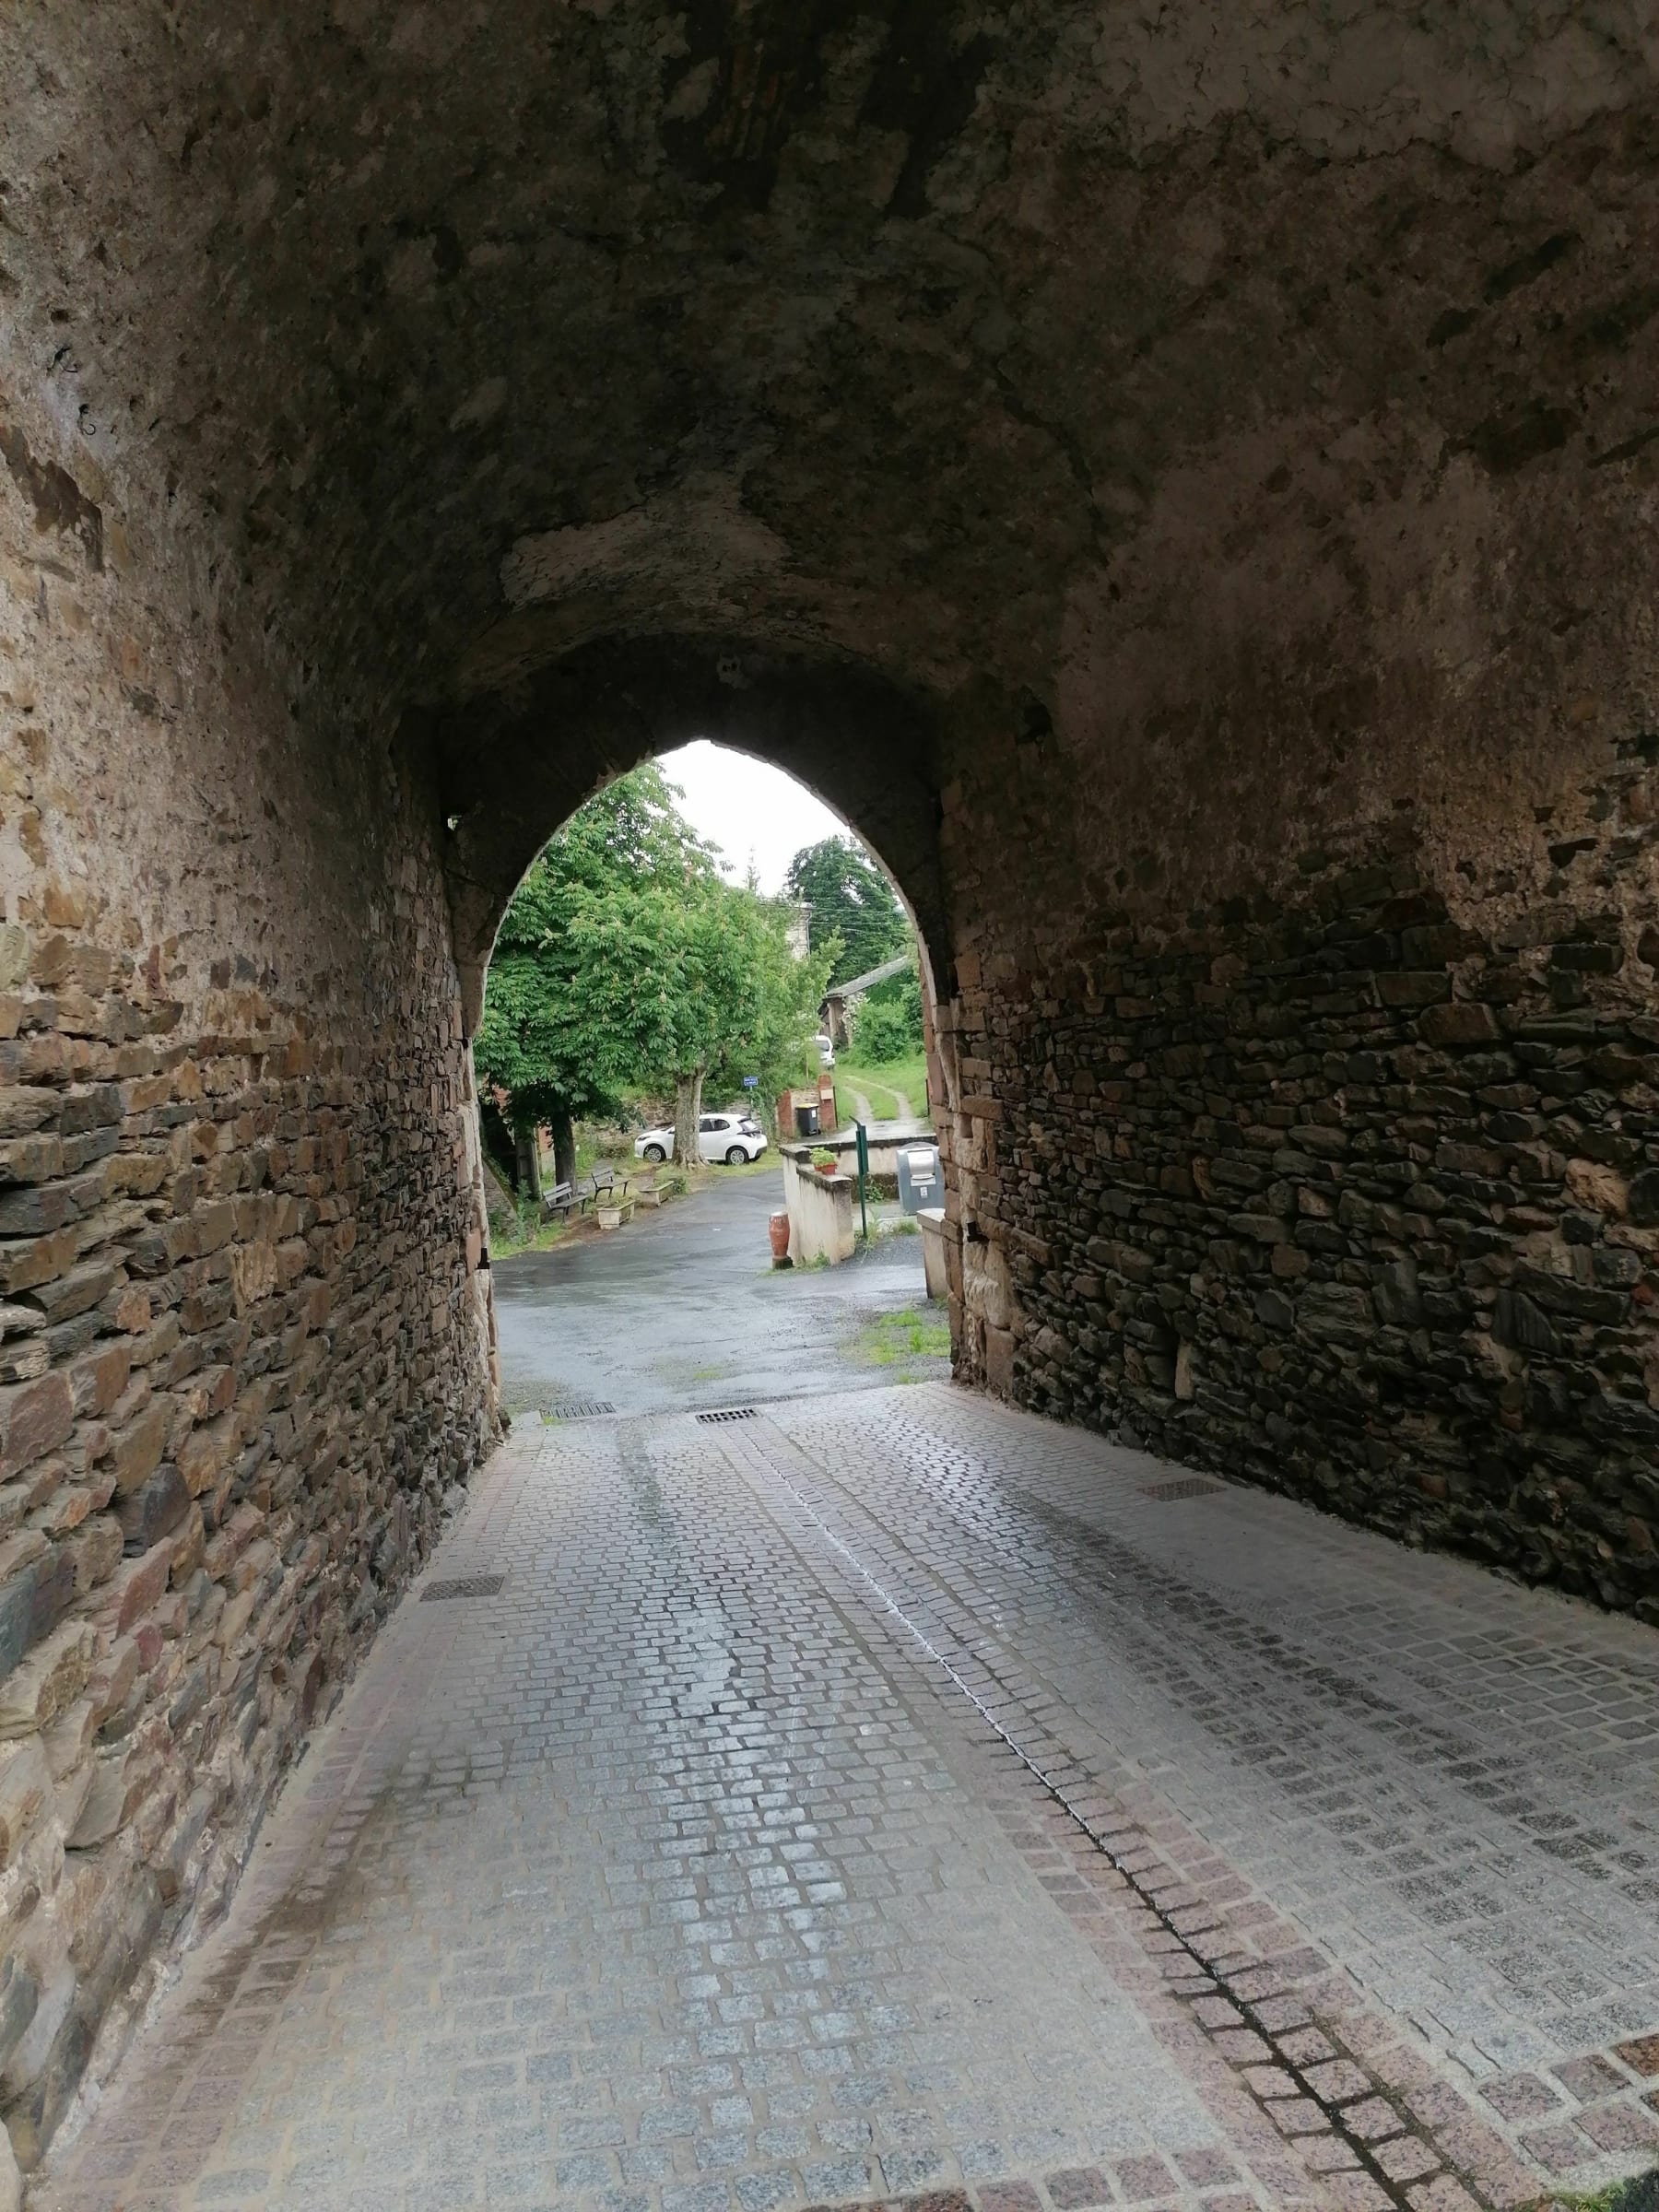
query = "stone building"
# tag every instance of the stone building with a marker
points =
(841, 999)
(1181, 482)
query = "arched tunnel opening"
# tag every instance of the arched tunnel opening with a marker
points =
(1182, 491)
(513, 766)
(623, 1036)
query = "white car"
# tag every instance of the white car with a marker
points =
(732, 1137)
(826, 1049)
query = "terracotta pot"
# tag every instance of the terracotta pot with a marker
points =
(779, 1227)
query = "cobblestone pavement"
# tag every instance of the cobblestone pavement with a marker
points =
(898, 1797)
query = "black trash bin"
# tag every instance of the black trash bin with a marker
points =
(806, 1120)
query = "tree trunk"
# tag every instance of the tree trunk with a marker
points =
(687, 1112)
(500, 1143)
(528, 1163)
(564, 1145)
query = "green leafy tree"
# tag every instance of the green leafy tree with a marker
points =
(887, 1022)
(741, 1003)
(577, 1006)
(851, 900)
(625, 959)
(772, 1038)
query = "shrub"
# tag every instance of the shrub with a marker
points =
(888, 1025)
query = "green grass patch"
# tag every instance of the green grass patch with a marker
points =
(891, 1339)
(883, 1230)
(1640, 2194)
(525, 1233)
(883, 1086)
(884, 1102)
(766, 1165)
(707, 1173)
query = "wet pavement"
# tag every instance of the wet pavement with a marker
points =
(683, 1308)
(890, 1796)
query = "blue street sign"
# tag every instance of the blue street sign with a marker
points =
(751, 1082)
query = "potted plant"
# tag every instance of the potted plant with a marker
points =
(824, 1162)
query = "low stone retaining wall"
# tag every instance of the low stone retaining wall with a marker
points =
(883, 1151)
(820, 1211)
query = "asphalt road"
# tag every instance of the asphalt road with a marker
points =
(683, 1309)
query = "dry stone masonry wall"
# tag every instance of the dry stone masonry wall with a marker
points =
(1352, 1189)
(242, 1346)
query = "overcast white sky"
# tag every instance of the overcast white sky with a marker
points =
(748, 809)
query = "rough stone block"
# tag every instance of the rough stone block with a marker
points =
(205, 1453)
(1459, 1025)
(146, 1515)
(137, 1449)
(122, 1779)
(33, 1418)
(135, 1587)
(78, 1291)
(1643, 1198)
(95, 1550)
(51, 1677)
(27, 1265)
(29, 2053)
(26, 1786)
(19, 1994)
(99, 1377)
(53, 1591)
(16, 1612)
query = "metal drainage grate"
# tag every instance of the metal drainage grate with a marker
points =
(1189, 1486)
(461, 1585)
(577, 1409)
(729, 1413)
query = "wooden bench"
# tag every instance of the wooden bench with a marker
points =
(560, 1202)
(607, 1184)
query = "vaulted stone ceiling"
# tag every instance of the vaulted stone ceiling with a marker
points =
(1193, 390)
(865, 326)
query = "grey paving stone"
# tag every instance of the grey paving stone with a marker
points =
(683, 1878)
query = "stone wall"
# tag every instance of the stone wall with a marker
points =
(1351, 1188)
(242, 1342)
(821, 1223)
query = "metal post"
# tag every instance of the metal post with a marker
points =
(863, 1168)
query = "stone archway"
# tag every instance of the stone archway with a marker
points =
(511, 766)
(1184, 487)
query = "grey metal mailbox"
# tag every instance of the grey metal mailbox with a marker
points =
(920, 1182)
